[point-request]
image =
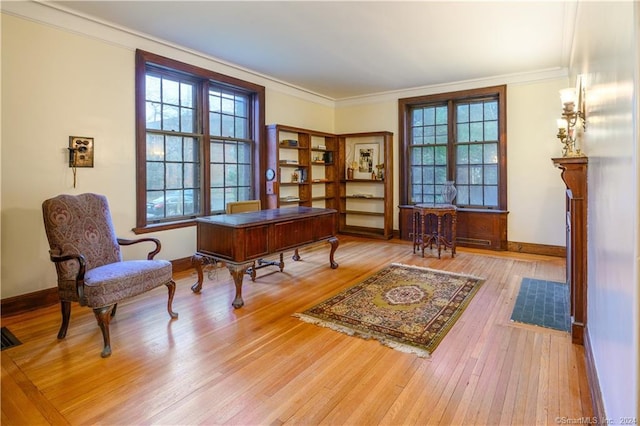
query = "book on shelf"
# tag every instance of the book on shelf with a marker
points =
(289, 198)
(289, 142)
(320, 147)
(288, 161)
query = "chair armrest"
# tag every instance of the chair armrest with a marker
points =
(82, 262)
(151, 254)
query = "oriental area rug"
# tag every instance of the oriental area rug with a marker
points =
(407, 308)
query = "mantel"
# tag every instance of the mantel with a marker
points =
(574, 175)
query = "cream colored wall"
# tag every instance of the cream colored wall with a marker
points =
(606, 53)
(57, 83)
(535, 198)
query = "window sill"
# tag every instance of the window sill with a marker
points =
(164, 226)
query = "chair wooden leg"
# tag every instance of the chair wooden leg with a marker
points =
(171, 285)
(113, 311)
(103, 315)
(65, 308)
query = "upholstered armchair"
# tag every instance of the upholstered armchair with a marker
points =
(88, 261)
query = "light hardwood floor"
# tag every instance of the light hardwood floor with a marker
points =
(259, 365)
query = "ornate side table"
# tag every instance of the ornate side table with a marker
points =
(434, 223)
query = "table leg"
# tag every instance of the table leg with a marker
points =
(439, 237)
(453, 234)
(197, 261)
(237, 272)
(334, 246)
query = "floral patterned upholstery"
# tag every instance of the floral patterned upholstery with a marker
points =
(79, 229)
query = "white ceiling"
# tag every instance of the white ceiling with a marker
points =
(345, 49)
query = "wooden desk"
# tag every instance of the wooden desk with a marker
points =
(240, 239)
(434, 223)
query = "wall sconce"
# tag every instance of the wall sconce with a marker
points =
(573, 110)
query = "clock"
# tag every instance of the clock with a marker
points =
(271, 174)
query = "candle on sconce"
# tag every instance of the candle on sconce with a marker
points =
(568, 98)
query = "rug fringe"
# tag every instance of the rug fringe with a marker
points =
(421, 353)
(439, 271)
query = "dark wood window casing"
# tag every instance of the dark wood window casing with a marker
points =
(203, 80)
(480, 226)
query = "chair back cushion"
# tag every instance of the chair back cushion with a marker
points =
(79, 224)
(242, 206)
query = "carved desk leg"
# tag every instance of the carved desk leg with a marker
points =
(334, 245)
(296, 256)
(237, 272)
(197, 261)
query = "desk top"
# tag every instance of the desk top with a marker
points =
(245, 219)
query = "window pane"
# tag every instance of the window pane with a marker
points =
(462, 175)
(217, 175)
(463, 132)
(440, 174)
(244, 153)
(217, 200)
(186, 95)
(476, 132)
(462, 154)
(441, 155)
(228, 126)
(152, 88)
(491, 110)
(190, 152)
(491, 175)
(462, 197)
(476, 112)
(441, 134)
(173, 175)
(155, 176)
(417, 135)
(416, 117)
(428, 175)
(241, 128)
(153, 115)
(241, 107)
(187, 123)
(170, 118)
(228, 105)
(491, 153)
(490, 130)
(244, 175)
(475, 174)
(428, 155)
(174, 148)
(475, 196)
(429, 116)
(214, 102)
(491, 196)
(230, 153)
(416, 155)
(441, 115)
(475, 154)
(215, 124)
(416, 175)
(155, 147)
(170, 92)
(462, 113)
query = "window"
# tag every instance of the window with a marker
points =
(198, 141)
(455, 137)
